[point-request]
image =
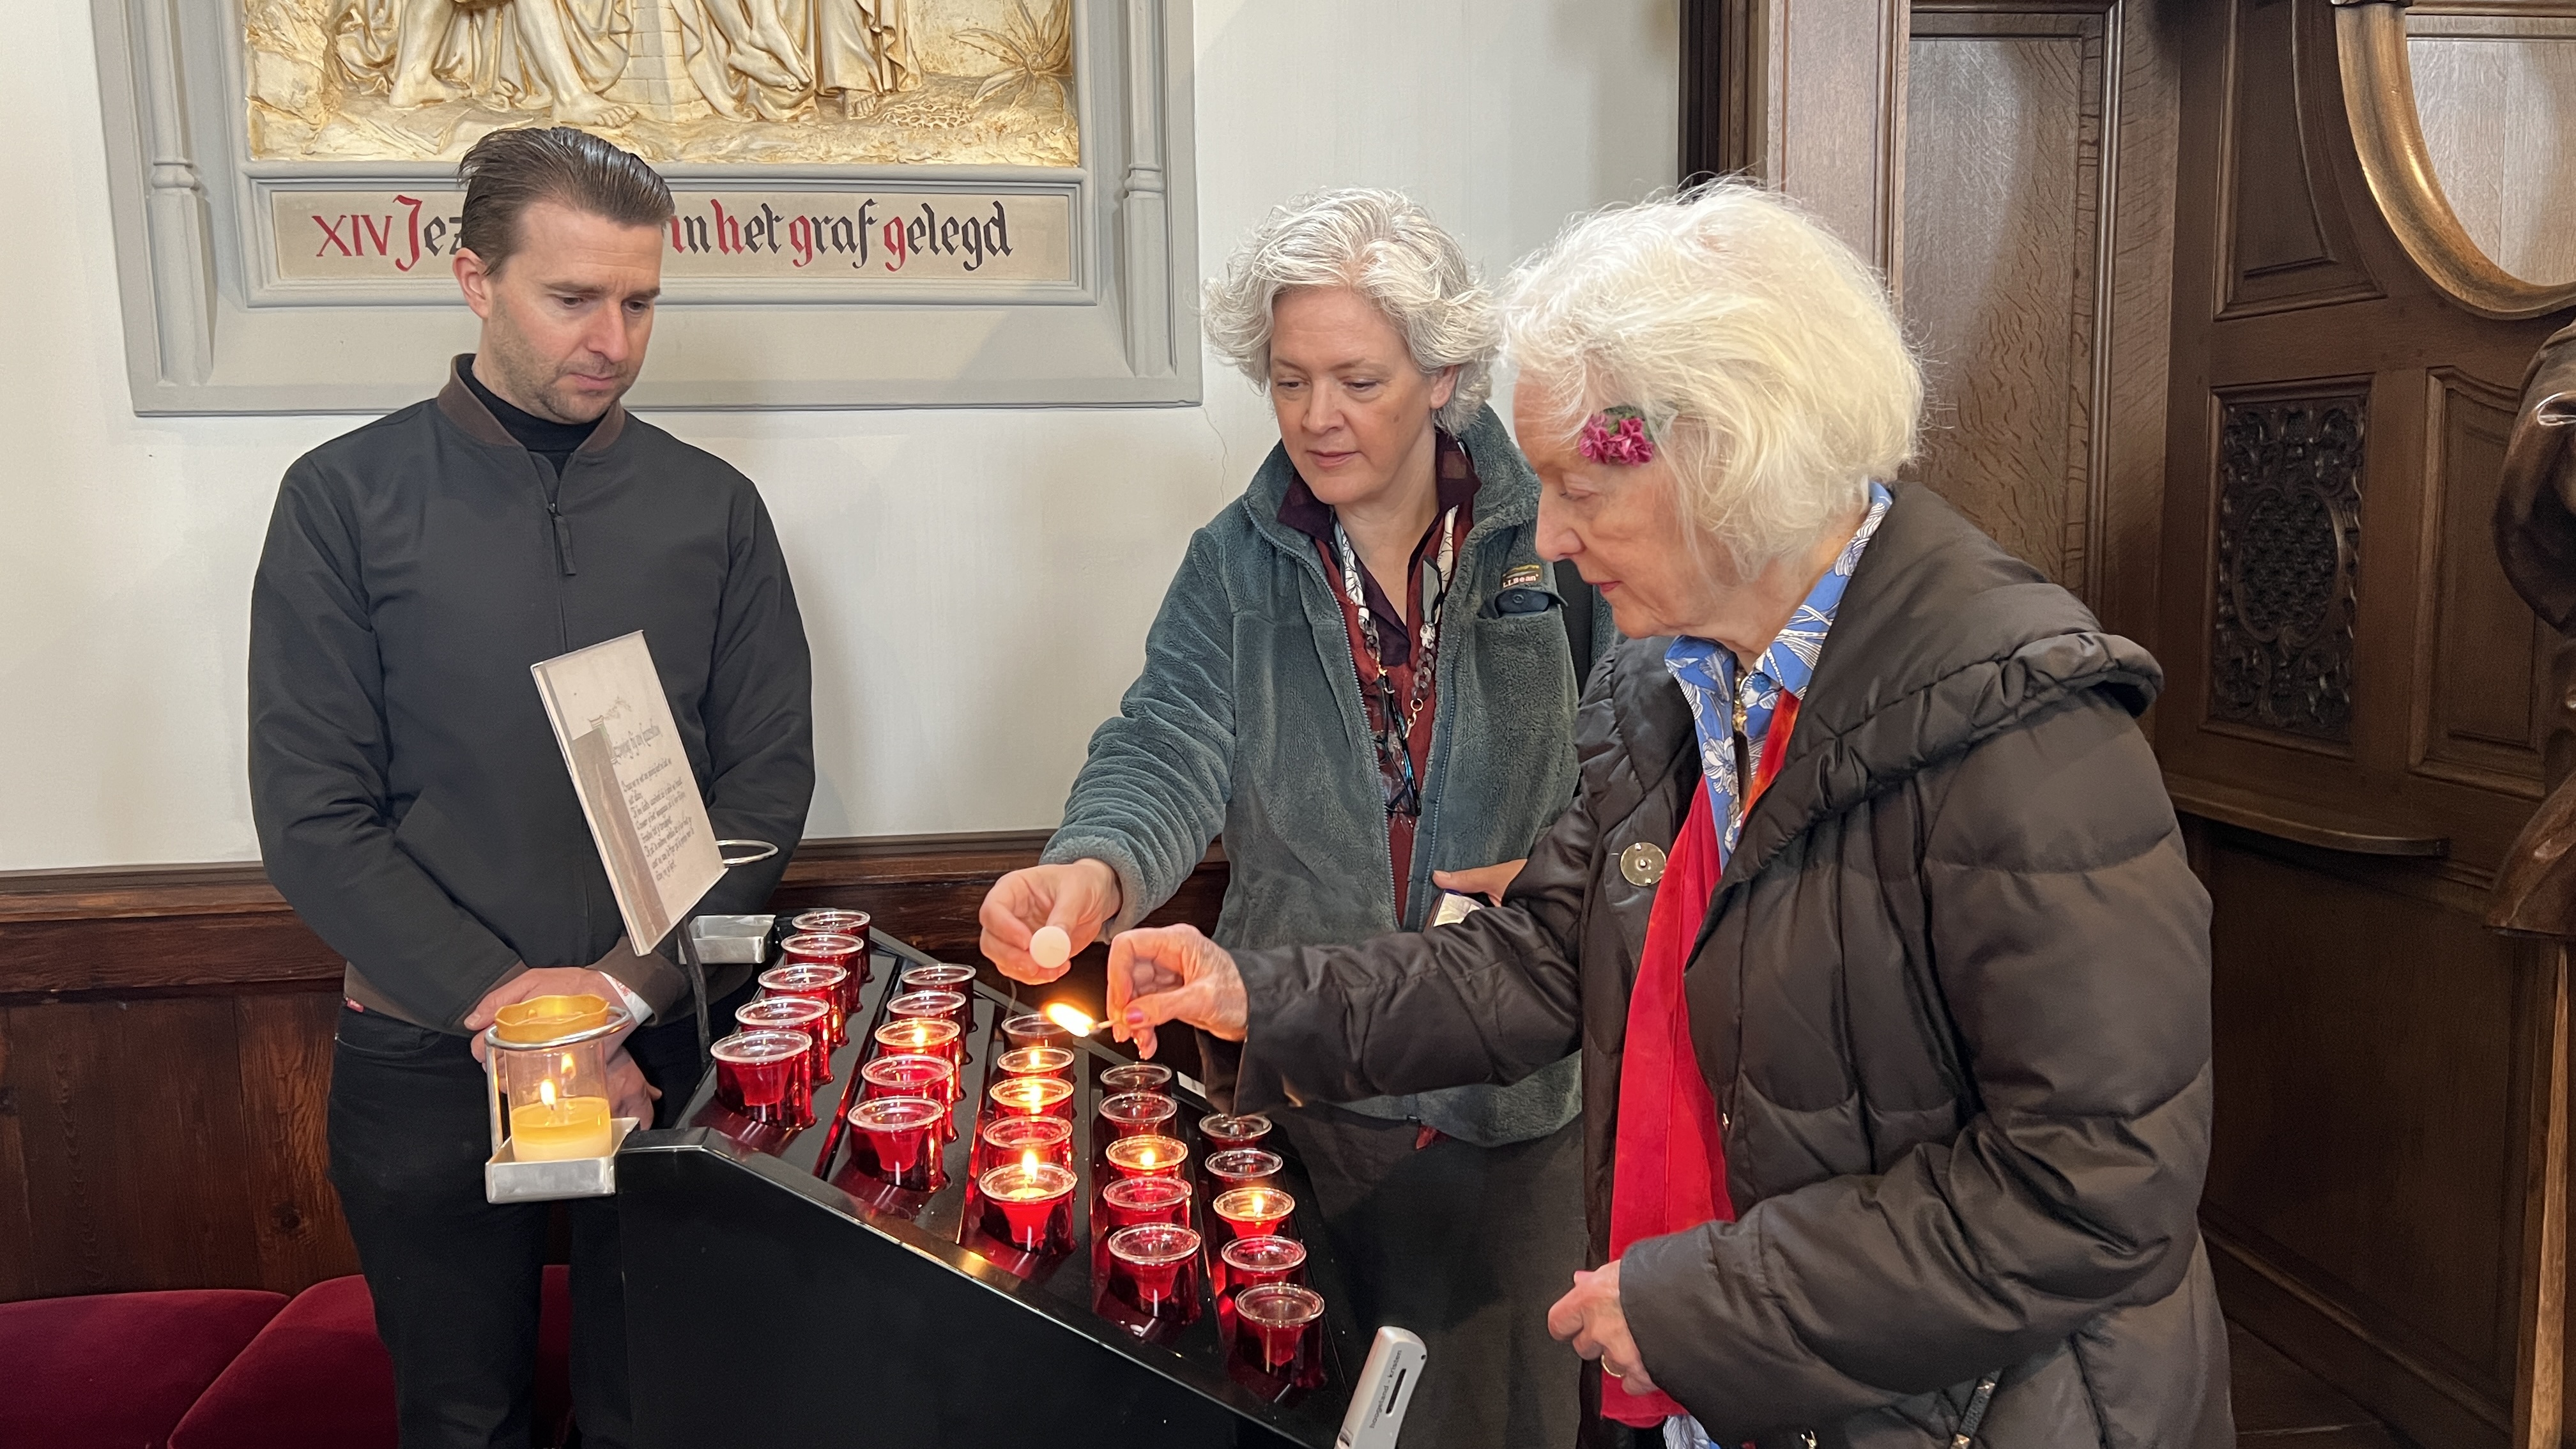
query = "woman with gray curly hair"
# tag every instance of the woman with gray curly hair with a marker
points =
(1870, 915)
(1363, 678)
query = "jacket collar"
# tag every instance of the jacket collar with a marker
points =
(466, 410)
(1506, 493)
(1943, 640)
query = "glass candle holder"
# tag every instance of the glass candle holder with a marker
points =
(826, 984)
(1022, 1139)
(550, 1058)
(1153, 1267)
(1134, 1200)
(1242, 1167)
(944, 1006)
(1253, 1212)
(1029, 1205)
(897, 1141)
(922, 1036)
(938, 976)
(1131, 1114)
(1251, 1262)
(825, 948)
(1136, 1077)
(833, 922)
(1036, 1061)
(1031, 1028)
(910, 1076)
(793, 1013)
(1147, 1155)
(1225, 1129)
(1275, 1333)
(1031, 1097)
(760, 1074)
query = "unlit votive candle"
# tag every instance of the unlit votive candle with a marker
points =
(1133, 1200)
(798, 1014)
(1242, 1167)
(826, 984)
(1034, 1028)
(1226, 1129)
(1136, 1077)
(898, 1140)
(1151, 1267)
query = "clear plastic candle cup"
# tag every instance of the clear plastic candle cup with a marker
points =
(757, 1071)
(1036, 1061)
(1031, 1028)
(897, 1141)
(1031, 1097)
(1251, 1262)
(1153, 1266)
(1147, 1155)
(1029, 1205)
(826, 984)
(1274, 1331)
(922, 1036)
(1226, 1129)
(1017, 1139)
(1133, 1200)
(792, 1013)
(1136, 1077)
(1253, 1212)
(910, 1076)
(1242, 1167)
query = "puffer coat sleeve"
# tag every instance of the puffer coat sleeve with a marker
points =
(2067, 944)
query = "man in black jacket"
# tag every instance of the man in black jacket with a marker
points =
(411, 800)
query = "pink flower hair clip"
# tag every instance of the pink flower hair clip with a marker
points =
(1618, 435)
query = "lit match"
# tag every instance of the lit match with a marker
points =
(1070, 1017)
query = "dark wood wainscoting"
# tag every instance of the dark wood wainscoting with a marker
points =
(165, 1056)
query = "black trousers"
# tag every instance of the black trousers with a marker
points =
(1467, 1246)
(456, 1279)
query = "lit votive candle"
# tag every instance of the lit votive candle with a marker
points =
(1036, 1061)
(1029, 1205)
(921, 1036)
(553, 1127)
(1031, 1097)
(1016, 1139)
(1253, 1212)
(1147, 1156)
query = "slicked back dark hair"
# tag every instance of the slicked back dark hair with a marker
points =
(507, 171)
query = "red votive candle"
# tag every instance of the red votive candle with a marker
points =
(1022, 1139)
(1032, 1028)
(1133, 1200)
(1224, 1129)
(1242, 1167)
(910, 1076)
(898, 1141)
(826, 984)
(758, 1073)
(1274, 1331)
(929, 1006)
(1036, 1061)
(1153, 1267)
(1132, 1114)
(1032, 1097)
(798, 1014)
(1029, 1205)
(1253, 1212)
(1136, 1077)
(938, 976)
(1251, 1262)
(824, 948)
(922, 1036)
(833, 922)
(1147, 1155)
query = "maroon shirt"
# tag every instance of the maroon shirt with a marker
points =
(1455, 478)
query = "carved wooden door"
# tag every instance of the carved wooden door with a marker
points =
(2353, 724)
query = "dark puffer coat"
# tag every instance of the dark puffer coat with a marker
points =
(1952, 998)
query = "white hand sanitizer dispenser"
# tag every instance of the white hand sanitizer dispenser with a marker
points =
(1384, 1391)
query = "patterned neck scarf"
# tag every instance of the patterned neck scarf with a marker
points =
(1725, 698)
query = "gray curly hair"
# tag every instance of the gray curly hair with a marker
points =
(1389, 250)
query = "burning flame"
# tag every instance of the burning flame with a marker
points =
(1029, 1163)
(546, 1093)
(1070, 1017)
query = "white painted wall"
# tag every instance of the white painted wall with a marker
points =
(976, 584)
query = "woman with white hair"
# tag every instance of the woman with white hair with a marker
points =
(1364, 679)
(1870, 915)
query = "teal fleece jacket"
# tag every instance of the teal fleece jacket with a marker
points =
(1247, 722)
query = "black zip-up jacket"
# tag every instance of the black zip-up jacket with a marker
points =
(412, 803)
(1951, 997)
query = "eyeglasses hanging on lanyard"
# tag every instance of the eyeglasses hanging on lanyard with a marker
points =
(1395, 718)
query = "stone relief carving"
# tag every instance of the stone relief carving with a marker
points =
(847, 82)
(2289, 561)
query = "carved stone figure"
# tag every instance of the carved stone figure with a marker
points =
(555, 56)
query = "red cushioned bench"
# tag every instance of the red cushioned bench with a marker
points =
(228, 1368)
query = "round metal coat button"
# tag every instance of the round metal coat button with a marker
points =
(1642, 864)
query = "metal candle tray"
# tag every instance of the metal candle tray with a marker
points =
(776, 1297)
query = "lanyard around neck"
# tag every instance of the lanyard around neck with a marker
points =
(1395, 756)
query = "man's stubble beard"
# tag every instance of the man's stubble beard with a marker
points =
(521, 375)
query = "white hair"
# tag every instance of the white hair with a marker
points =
(1389, 250)
(1763, 353)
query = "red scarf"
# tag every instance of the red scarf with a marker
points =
(1669, 1161)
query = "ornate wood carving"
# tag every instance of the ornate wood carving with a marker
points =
(2289, 563)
